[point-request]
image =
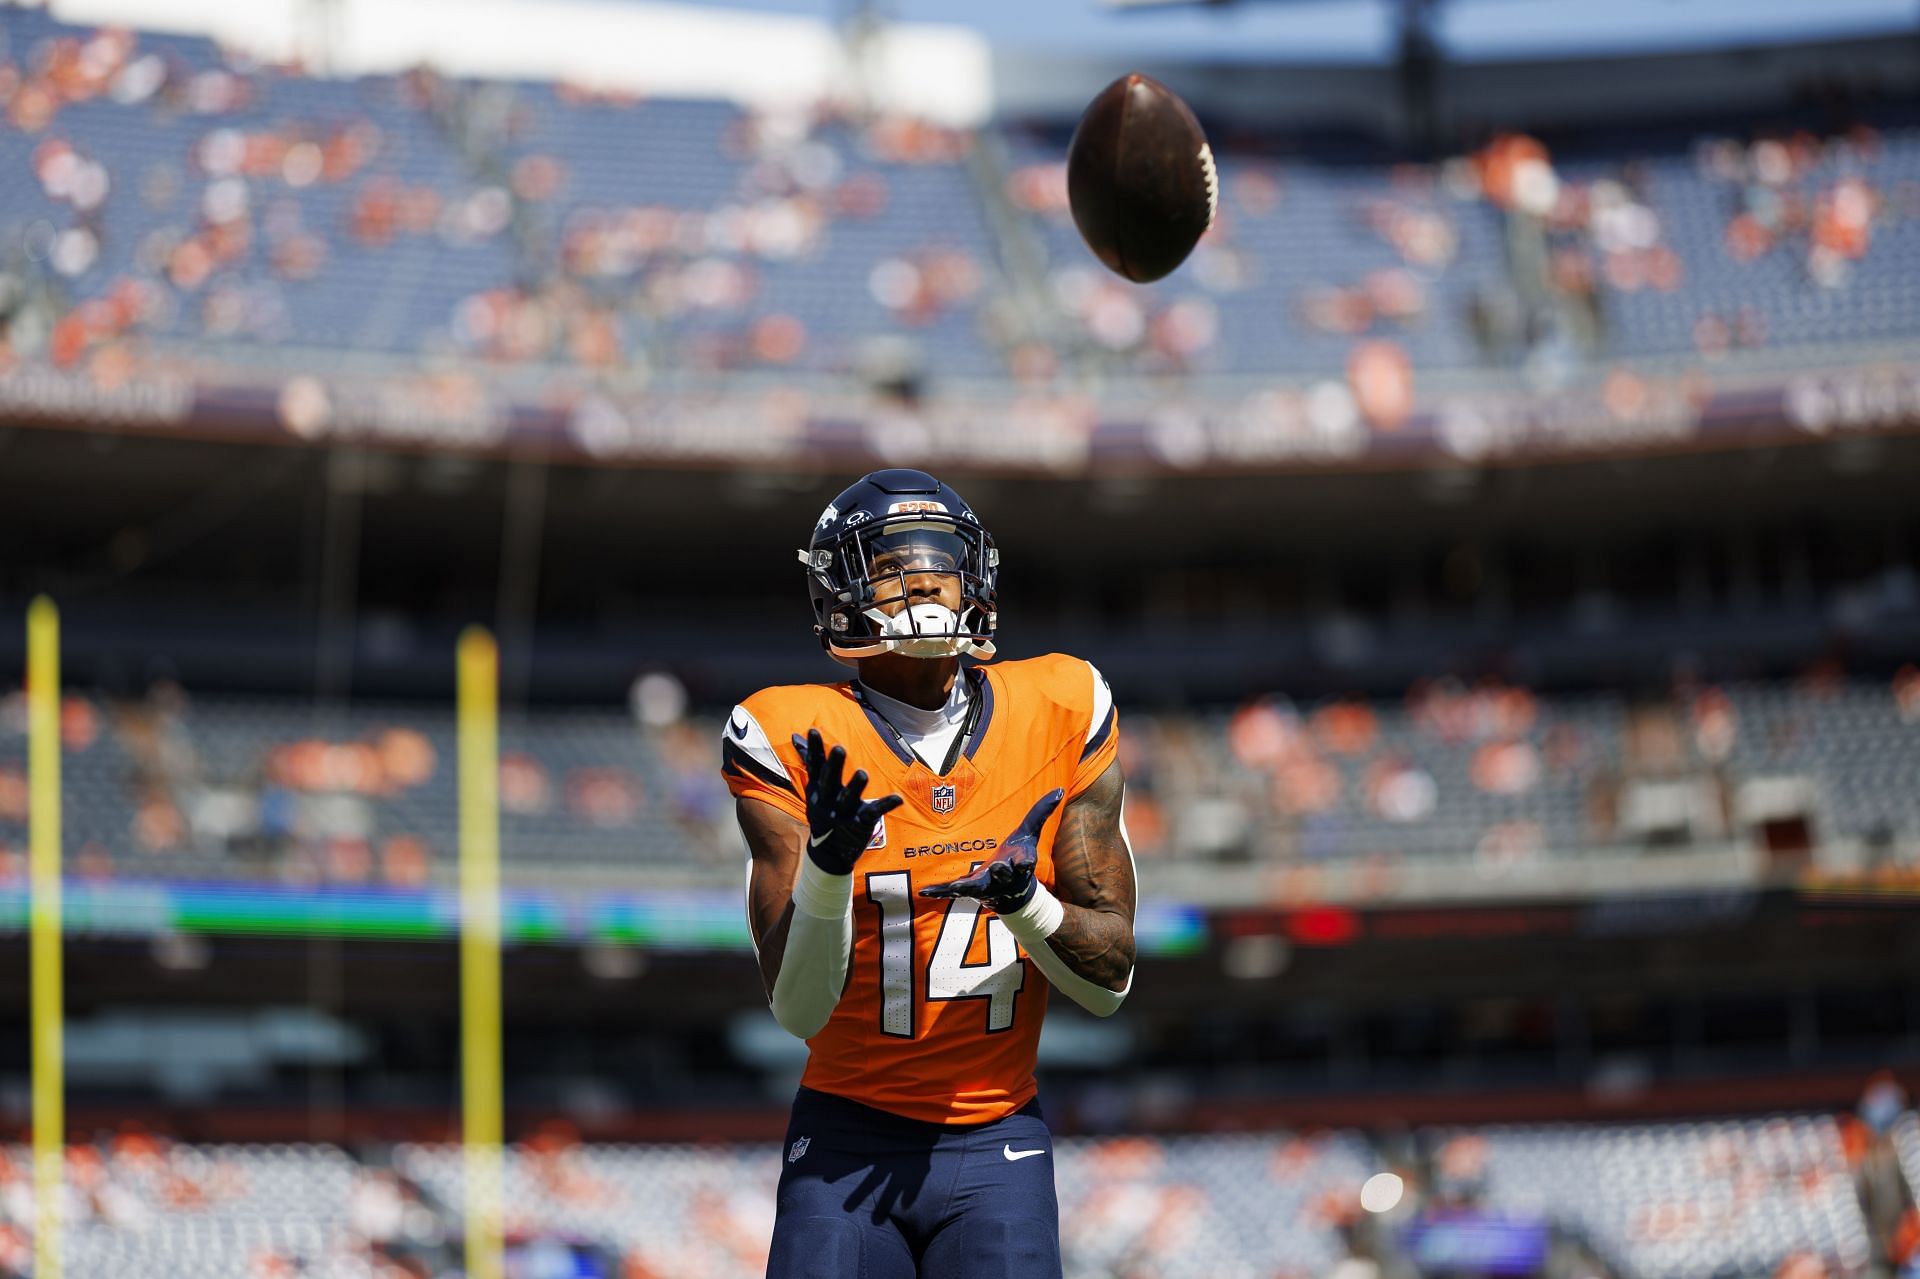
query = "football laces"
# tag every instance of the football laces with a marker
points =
(1213, 181)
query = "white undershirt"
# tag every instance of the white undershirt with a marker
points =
(930, 733)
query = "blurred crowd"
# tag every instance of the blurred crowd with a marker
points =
(1565, 243)
(354, 1219)
(1664, 1199)
(282, 793)
(1486, 770)
(1810, 199)
(1811, 196)
(595, 278)
(809, 239)
(1409, 212)
(211, 233)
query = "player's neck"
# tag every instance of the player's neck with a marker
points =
(925, 682)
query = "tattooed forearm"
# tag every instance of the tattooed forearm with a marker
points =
(1093, 878)
(1095, 944)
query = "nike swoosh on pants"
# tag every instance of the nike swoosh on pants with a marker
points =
(1014, 1156)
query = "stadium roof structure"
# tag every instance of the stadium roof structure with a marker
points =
(756, 57)
(659, 33)
(1486, 30)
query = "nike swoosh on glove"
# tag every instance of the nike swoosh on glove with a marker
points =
(839, 823)
(1007, 882)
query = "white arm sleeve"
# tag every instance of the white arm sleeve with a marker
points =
(813, 968)
(1036, 921)
(1092, 996)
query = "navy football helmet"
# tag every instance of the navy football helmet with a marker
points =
(886, 527)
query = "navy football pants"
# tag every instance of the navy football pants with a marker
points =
(865, 1194)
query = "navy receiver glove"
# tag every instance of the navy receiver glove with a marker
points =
(1007, 882)
(839, 825)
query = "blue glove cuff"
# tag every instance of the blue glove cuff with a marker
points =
(837, 853)
(1004, 906)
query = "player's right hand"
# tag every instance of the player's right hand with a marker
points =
(1007, 882)
(839, 824)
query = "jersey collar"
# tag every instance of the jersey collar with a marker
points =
(972, 733)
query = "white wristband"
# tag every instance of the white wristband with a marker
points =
(819, 894)
(1039, 919)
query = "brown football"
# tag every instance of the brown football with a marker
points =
(1140, 178)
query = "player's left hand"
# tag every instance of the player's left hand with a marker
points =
(1006, 883)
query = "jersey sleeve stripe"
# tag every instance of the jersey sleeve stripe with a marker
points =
(1102, 701)
(1099, 739)
(744, 730)
(741, 764)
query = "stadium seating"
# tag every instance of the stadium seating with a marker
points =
(215, 788)
(1750, 221)
(207, 1210)
(1667, 1201)
(1696, 1199)
(1308, 252)
(1906, 1145)
(1857, 742)
(1204, 1206)
(247, 205)
(1407, 787)
(188, 200)
(275, 790)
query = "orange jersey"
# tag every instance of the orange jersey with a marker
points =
(940, 1018)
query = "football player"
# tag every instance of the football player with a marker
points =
(933, 847)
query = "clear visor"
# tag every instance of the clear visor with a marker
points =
(896, 554)
(923, 548)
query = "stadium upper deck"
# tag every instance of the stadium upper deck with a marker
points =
(187, 202)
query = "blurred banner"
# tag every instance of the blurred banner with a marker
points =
(1303, 428)
(666, 919)
(1478, 1243)
(700, 920)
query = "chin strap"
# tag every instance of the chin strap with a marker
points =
(922, 630)
(962, 647)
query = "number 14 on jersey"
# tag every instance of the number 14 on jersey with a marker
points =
(948, 975)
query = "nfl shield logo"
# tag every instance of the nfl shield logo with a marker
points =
(943, 799)
(799, 1149)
